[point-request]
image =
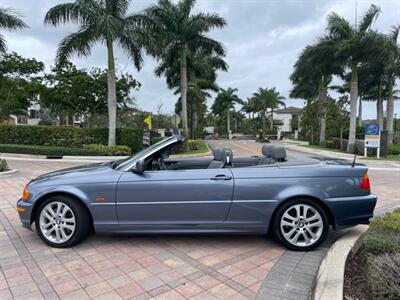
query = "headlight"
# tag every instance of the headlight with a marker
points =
(25, 194)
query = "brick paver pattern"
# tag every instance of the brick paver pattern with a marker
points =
(130, 267)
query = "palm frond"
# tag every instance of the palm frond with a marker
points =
(208, 45)
(338, 27)
(80, 12)
(394, 34)
(3, 44)
(78, 42)
(10, 20)
(133, 48)
(369, 17)
(203, 22)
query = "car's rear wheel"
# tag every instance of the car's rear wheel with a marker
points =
(62, 222)
(300, 224)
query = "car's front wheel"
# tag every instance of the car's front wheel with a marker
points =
(62, 222)
(300, 224)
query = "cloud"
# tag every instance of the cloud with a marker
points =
(263, 39)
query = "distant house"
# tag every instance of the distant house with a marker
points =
(287, 119)
(31, 118)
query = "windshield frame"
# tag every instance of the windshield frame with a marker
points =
(130, 162)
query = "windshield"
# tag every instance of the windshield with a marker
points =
(132, 159)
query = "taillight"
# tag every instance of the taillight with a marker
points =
(364, 184)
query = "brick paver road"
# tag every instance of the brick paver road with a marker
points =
(124, 267)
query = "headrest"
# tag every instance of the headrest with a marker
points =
(267, 150)
(218, 154)
(279, 153)
(228, 156)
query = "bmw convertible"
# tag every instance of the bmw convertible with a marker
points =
(153, 192)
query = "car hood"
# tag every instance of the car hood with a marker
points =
(93, 173)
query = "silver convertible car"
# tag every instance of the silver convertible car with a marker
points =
(297, 199)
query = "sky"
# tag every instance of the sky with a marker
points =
(263, 39)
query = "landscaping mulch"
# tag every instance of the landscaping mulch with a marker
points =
(355, 278)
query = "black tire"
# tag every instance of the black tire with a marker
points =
(276, 228)
(82, 221)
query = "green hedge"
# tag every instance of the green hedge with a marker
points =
(109, 150)
(68, 136)
(394, 149)
(47, 150)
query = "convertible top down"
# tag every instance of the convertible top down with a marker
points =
(298, 199)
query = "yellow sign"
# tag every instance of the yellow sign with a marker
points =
(148, 121)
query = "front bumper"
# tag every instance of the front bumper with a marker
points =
(350, 211)
(25, 211)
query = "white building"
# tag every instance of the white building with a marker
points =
(31, 119)
(285, 116)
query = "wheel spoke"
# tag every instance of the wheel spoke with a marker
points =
(306, 238)
(63, 234)
(70, 227)
(310, 232)
(287, 216)
(50, 231)
(285, 223)
(290, 233)
(317, 224)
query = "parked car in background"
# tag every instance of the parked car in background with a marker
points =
(297, 199)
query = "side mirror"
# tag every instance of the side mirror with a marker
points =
(139, 167)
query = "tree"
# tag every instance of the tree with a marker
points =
(392, 71)
(176, 33)
(104, 21)
(19, 83)
(266, 98)
(9, 20)
(70, 91)
(316, 65)
(224, 102)
(354, 44)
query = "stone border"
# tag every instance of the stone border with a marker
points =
(330, 278)
(293, 274)
(9, 172)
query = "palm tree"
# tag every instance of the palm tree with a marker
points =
(177, 33)
(224, 103)
(354, 44)
(261, 99)
(392, 71)
(316, 65)
(276, 100)
(107, 22)
(9, 20)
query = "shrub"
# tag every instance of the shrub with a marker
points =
(45, 150)
(156, 139)
(67, 136)
(394, 149)
(195, 144)
(3, 165)
(383, 235)
(108, 150)
(384, 276)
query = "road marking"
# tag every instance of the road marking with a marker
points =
(385, 169)
(246, 148)
(396, 165)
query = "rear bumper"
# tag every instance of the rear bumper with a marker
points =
(24, 211)
(350, 211)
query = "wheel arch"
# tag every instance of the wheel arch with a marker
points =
(43, 198)
(325, 207)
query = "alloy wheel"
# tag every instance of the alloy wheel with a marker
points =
(57, 222)
(301, 225)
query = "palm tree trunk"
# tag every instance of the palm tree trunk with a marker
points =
(264, 122)
(379, 109)
(184, 87)
(359, 118)
(228, 123)
(353, 108)
(322, 98)
(112, 95)
(272, 120)
(390, 111)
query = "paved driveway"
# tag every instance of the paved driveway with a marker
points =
(104, 267)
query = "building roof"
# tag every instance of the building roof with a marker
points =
(289, 110)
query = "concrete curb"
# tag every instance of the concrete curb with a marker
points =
(9, 172)
(329, 282)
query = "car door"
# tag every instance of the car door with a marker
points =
(174, 197)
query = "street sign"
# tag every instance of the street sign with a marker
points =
(372, 138)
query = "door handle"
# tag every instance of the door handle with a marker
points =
(222, 177)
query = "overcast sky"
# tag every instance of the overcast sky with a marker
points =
(263, 39)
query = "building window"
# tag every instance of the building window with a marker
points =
(33, 114)
(22, 120)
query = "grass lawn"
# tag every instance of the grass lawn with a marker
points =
(202, 149)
